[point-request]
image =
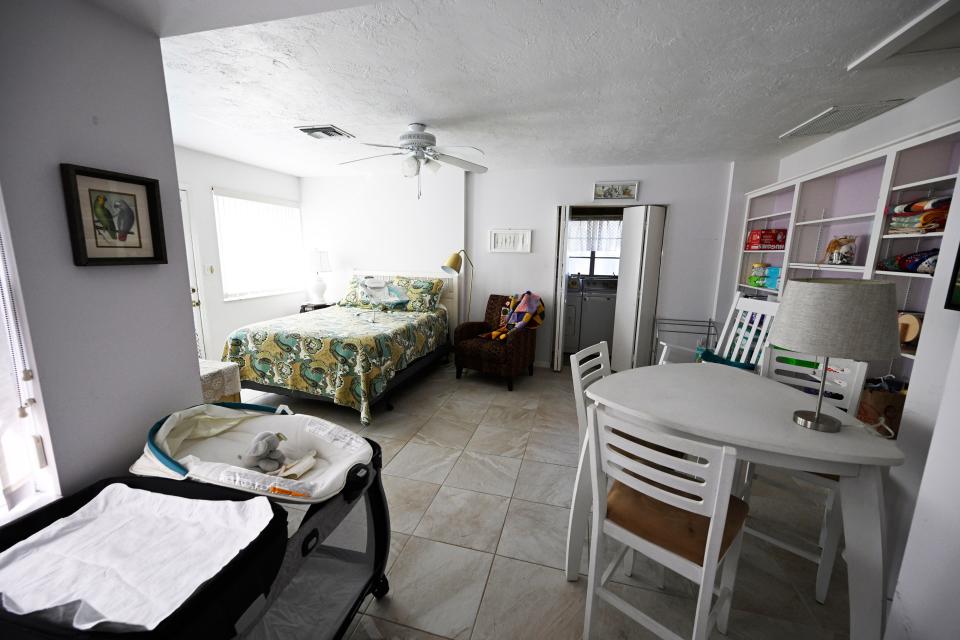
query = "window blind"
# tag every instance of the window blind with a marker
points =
(18, 457)
(261, 247)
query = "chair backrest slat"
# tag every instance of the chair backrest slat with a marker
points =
(587, 366)
(744, 336)
(845, 378)
(661, 476)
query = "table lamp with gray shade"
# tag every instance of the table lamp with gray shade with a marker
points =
(855, 319)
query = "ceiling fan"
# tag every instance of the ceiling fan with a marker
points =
(419, 149)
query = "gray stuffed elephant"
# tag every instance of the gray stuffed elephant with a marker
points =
(264, 452)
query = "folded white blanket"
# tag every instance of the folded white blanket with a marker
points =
(127, 559)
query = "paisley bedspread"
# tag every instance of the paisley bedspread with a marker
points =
(334, 353)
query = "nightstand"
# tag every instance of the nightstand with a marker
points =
(313, 306)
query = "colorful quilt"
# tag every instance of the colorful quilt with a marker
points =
(334, 352)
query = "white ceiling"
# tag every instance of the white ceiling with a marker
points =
(177, 17)
(536, 83)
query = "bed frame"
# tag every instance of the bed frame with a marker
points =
(449, 297)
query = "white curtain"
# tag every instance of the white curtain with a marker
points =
(594, 235)
(261, 247)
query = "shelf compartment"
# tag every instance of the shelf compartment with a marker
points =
(909, 354)
(856, 216)
(812, 266)
(924, 183)
(905, 274)
(898, 236)
(769, 215)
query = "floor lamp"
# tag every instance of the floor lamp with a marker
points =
(453, 265)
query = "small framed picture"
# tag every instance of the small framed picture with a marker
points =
(113, 218)
(616, 190)
(510, 240)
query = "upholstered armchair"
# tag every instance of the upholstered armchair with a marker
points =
(505, 358)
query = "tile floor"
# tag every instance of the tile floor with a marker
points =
(478, 482)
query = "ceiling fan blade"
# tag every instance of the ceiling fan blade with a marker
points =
(466, 165)
(460, 146)
(385, 146)
(382, 155)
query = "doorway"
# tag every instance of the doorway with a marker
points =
(607, 281)
(193, 259)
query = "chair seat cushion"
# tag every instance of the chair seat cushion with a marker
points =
(482, 347)
(669, 527)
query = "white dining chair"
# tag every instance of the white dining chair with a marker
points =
(843, 388)
(586, 366)
(670, 500)
(743, 337)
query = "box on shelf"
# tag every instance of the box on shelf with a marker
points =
(766, 240)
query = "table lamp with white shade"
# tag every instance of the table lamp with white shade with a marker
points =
(319, 262)
(453, 265)
(836, 318)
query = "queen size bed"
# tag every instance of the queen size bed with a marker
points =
(353, 353)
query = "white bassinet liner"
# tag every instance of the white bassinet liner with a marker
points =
(204, 443)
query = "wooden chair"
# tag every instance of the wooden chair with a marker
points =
(744, 334)
(844, 385)
(674, 508)
(505, 358)
(587, 366)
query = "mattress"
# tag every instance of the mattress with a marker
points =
(345, 354)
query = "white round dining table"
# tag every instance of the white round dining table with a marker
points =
(725, 405)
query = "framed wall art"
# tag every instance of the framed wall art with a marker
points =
(616, 190)
(510, 240)
(113, 218)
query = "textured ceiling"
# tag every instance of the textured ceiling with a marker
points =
(536, 83)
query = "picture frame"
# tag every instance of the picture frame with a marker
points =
(510, 240)
(953, 292)
(616, 190)
(113, 218)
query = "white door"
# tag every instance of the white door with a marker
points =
(640, 251)
(560, 288)
(192, 261)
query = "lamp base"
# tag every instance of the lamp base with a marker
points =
(810, 420)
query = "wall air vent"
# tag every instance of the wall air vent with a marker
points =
(839, 118)
(325, 132)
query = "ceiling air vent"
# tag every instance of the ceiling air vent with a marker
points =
(839, 118)
(325, 131)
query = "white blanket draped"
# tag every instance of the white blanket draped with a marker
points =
(127, 559)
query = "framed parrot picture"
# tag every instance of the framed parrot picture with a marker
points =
(114, 218)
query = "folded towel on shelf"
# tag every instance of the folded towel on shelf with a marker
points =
(925, 204)
(918, 223)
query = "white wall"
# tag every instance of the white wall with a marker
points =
(199, 173)
(695, 195)
(924, 604)
(374, 221)
(936, 107)
(113, 345)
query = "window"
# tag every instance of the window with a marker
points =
(261, 252)
(22, 460)
(594, 247)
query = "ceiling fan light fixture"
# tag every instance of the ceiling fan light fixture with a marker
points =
(410, 167)
(432, 165)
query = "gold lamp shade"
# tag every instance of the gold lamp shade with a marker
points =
(453, 263)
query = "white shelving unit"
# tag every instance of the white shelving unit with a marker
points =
(855, 198)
